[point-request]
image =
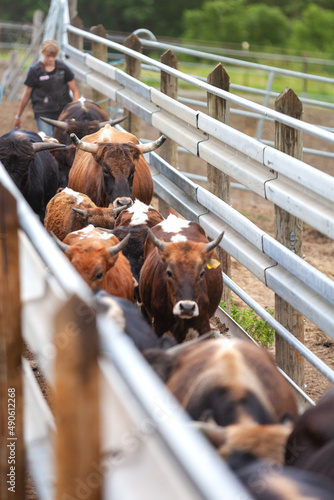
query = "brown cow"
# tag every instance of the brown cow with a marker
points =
(235, 392)
(97, 257)
(180, 282)
(110, 168)
(70, 211)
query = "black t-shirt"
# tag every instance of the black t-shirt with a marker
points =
(50, 92)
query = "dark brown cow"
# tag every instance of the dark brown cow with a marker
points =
(311, 444)
(180, 284)
(110, 168)
(235, 392)
(134, 221)
(70, 211)
(97, 257)
(81, 118)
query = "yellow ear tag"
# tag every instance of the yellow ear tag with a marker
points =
(213, 264)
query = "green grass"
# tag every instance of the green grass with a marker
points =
(255, 326)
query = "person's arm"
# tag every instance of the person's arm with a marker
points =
(72, 86)
(23, 102)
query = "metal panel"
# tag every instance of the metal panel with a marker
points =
(174, 175)
(80, 71)
(302, 298)
(103, 85)
(179, 132)
(241, 168)
(313, 278)
(183, 112)
(301, 205)
(33, 273)
(175, 197)
(101, 66)
(133, 84)
(237, 246)
(38, 433)
(75, 54)
(136, 104)
(233, 138)
(311, 178)
(231, 216)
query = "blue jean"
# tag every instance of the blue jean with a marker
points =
(44, 127)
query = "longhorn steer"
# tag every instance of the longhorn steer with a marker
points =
(178, 286)
(109, 167)
(31, 167)
(97, 257)
(70, 211)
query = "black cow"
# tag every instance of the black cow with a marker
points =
(31, 167)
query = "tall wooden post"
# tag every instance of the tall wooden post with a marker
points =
(218, 182)
(100, 51)
(12, 469)
(289, 231)
(132, 67)
(77, 42)
(169, 86)
(77, 413)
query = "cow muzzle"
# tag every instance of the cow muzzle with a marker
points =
(186, 309)
(124, 201)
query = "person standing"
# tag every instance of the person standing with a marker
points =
(48, 85)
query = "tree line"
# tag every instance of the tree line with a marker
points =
(296, 24)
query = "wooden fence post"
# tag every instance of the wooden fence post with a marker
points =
(218, 182)
(12, 468)
(77, 42)
(289, 231)
(77, 412)
(169, 86)
(132, 67)
(100, 51)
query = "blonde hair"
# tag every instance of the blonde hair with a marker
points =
(50, 47)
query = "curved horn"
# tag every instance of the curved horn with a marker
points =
(55, 123)
(42, 146)
(117, 248)
(210, 246)
(152, 146)
(85, 146)
(64, 247)
(117, 210)
(214, 432)
(113, 122)
(79, 211)
(158, 243)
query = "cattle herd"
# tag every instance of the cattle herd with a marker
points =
(161, 282)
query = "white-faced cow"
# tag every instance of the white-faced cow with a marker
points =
(180, 282)
(31, 167)
(235, 392)
(70, 211)
(81, 118)
(110, 168)
(134, 221)
(98, 258)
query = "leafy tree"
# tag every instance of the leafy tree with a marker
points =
(274, 31)
(220, 20)
(315, 31)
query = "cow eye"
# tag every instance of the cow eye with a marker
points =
(201, 274)
(169, 273)
(99, 276)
